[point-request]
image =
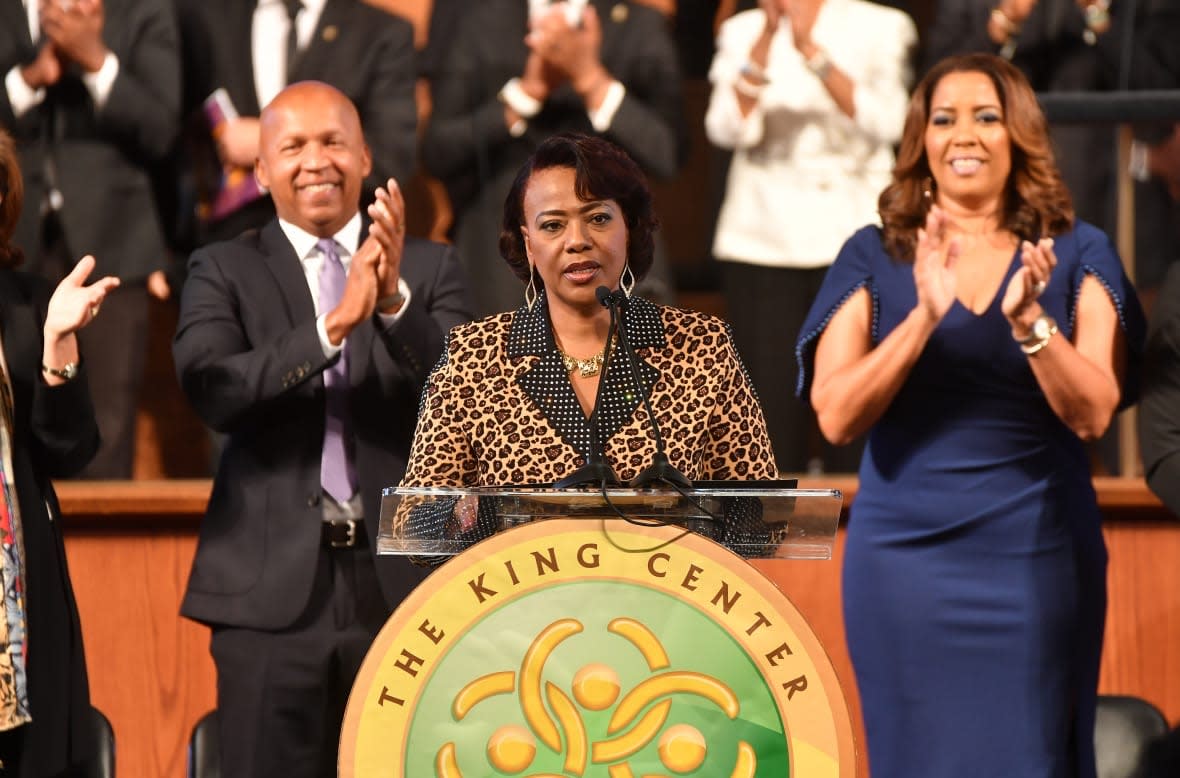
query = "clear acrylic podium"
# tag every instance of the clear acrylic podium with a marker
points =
(754, 519)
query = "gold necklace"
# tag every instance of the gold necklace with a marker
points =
(587, 368)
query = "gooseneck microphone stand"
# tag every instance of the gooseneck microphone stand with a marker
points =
(660, 470)
(597, 470)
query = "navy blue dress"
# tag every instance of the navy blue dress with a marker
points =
(974, 580)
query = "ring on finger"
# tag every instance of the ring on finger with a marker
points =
(1039, 287)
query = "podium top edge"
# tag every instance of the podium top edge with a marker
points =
(738, 489)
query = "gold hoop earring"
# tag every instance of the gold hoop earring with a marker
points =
(530, 291)
(627, 280)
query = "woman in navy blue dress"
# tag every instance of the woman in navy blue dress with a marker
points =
(980, 336)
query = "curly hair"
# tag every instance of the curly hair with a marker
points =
(602, 171)
(1036, 202)
(12, 198)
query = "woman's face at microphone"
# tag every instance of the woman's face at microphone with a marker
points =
(575, 245)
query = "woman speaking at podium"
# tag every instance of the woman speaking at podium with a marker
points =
(980, 336)
(516, 398)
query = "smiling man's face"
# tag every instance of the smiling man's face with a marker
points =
(312, 157)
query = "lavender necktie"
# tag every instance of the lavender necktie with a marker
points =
(336, 472)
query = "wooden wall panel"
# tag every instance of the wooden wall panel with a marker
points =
(130, 545)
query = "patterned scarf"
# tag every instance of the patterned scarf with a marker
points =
(14, 692)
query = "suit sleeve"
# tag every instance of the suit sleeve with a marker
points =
(1159, 410)
(64, 430)
(960, 27)
(463, 122)
(388, 109)
(439, 301)
(226, 375)
(143, 109)
(650, 123)
(12, 53)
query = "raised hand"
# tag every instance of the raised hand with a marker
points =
(44, 70)
(1036, 267)
(74, 304)
(75, 29)
(572, 51)
(934, 265)
(388, 229)
(237, 141)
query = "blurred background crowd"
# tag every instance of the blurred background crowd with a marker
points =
(136, 125)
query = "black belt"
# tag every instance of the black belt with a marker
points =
(343, 533)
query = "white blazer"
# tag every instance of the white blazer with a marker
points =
(805, 176)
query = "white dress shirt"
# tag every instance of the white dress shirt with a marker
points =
(348, 240)
(268, 42)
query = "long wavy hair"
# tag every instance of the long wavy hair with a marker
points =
(12, 198)
(602, 171)
(1036, 202)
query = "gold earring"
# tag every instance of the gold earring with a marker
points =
(627, 280)
(928, 189)
(530, 290)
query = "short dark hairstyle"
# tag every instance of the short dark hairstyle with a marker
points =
(12, 190)
(1036, 202)
(602, 171)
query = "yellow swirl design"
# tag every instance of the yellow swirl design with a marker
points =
(530, 679)
(747, 762)
(445, 764)
(643, 639)
(503, 682)
(575, 730)
(639, 736)
(673, 683)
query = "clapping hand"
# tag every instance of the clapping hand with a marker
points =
(388, 228)
(934, 265)
(1037, 263)
(75, 29)
(570, 50)
(74, 304)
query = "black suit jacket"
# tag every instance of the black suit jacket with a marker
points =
(54, 435)
(366, 53)
(101, 157)
(468, 147)
(248, 356)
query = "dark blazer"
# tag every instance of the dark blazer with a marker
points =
(1159, 404)
(101, 158)
(55, 435)
(468, 147)
(365, 52)
(248, 356)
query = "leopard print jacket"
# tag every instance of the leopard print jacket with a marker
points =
(499, 408)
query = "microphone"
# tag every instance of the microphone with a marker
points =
(596, 470)
(660, 469)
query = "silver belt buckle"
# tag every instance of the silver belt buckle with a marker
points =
(351, 541)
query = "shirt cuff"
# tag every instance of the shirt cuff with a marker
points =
(390, 319)
(322, 330)
(21, 96)
(521, 102)
(605, 115)
(100, 82)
